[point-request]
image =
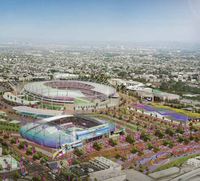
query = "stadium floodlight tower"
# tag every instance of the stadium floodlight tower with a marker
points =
(59, 137)
(74, 134)
(66, 91)
(43, 130)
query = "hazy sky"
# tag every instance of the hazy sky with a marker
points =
(100, 20)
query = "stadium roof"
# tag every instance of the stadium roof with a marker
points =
(46, 120)
(42, 88)
(30, 110)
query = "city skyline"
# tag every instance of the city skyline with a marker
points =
(91, 20)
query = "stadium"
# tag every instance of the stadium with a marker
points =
(68, 91)
(66, 131)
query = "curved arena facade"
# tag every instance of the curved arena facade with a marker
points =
(62, 130)
(69, 91)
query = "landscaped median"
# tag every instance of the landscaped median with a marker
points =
(176, 163)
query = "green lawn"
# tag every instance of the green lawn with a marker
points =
(176, 163)
(49, 106)
(81, 101)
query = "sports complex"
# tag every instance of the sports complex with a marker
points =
(66, 131)
(70, 91)
(51, 98)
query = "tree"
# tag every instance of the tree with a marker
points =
(156, 149)
(112, 142)
(140, 153)
(171, 144)
(144, 136)
(130, 139)
(37, 156)
(150, 146)
(29, 151)
(22, 144)
(97, 146)
(169, 131)
(13, 141)
(168, 143)
(186, 141)
(75, 162)
(180, 130)
(191, 137)
(196, 139)
(117, 156)
(159, 134)
(180, 139)
(78, 152)
(134, 150)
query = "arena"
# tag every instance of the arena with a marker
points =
(69, 91)
(64, 130)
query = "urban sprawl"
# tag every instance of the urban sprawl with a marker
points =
(100, 112)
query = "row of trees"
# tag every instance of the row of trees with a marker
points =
(6, 126)
(178, 87)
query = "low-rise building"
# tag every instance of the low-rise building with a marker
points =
(8, 163)
(65, 76)
(100, 169)
(165, 96)
(194, 161)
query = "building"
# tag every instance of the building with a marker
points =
(65, 76)
(54, 166)
(153, 94)
(66, 132)
(128, 83)
(36, 112)
(194, 161)
(8, 163)
(165, 96)
(111, 171)
(9, 96)
(100, 169)
(144, 91)
(145, 94)
(82, 94)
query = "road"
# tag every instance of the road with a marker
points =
(193, 175)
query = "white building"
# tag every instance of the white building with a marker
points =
(166, 96)
(8, 163)
(194, 161)
(111, 171)
(65, 76)
(128, 83)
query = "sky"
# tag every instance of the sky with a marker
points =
(100, 20)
